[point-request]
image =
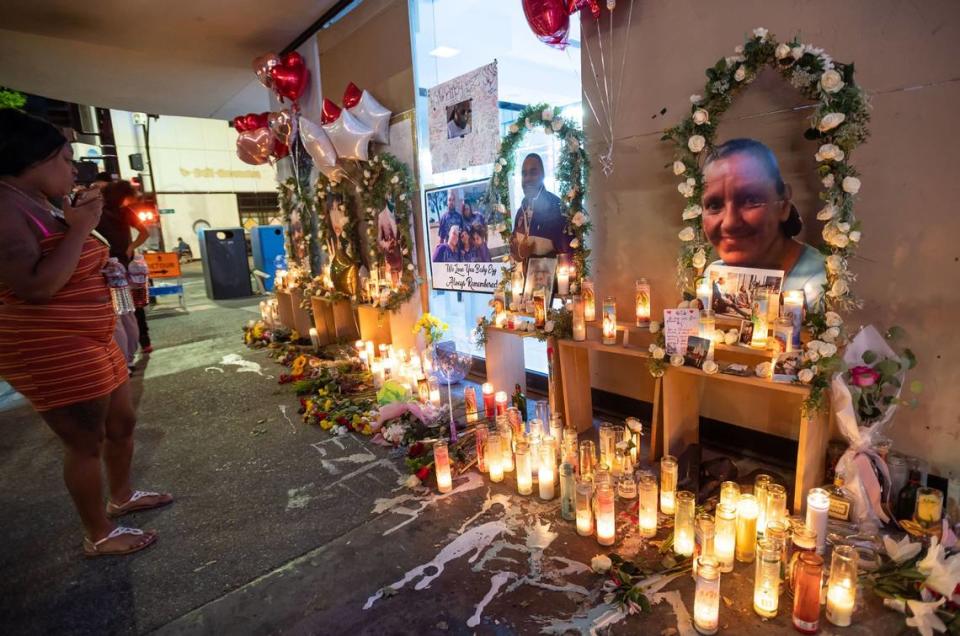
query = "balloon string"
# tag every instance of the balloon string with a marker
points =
(593, 69)
(623, 60)
(603, 67)
(586, 95)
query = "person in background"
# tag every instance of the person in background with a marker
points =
(451, 216)
(479, 252)
(470, 216)
(116, 222)
(449, 252)
(183, 248)
(56, 329)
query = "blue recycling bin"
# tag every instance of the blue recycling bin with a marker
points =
(266, 242)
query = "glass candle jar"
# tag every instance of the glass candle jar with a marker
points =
(818, 507)
(579, 320)
(642, 302)
(647, 492)
(568, 486)
(588, 459)
(556, 432)
(802, 539)
(533, 441)
(609, 326)
(506, 443)
(608, 444)
(793, 302)
(568, 452)
(760, 485)
(627, 486)
(929, 507)
(480, 436)
(547, 470)
(705, 535)
(589, 300)
(606, 515)
(761, 307)
(494, 457)
(729, 493)
(706, 601)
(708, 325)
(783, 334)
(683, 524)
(806, 592)
(777, 532)
(489, 403)
(500, 401)
(747, 511)
(584, 505)
(776, 509)
(842, 585)
(524, 473)
(898, 475)
(725, 539)
(441, 464)
(766, 582)
(668, 484)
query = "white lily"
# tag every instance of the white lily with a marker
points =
(925, 617)
(902, 550)
(933, 557)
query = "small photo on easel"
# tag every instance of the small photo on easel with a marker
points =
(746, 332)
(696, 353)
(786, 367)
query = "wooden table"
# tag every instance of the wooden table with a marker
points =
(506, 364)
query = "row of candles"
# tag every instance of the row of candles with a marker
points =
(746, 527)
(411, 369)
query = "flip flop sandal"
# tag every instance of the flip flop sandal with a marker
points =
(137, 502)
(99, 548)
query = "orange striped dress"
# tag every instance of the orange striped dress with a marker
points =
(62, 351)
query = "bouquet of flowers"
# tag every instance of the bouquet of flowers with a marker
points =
(432, 327)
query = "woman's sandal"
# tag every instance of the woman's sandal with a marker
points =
(103, 546)
(139, 500)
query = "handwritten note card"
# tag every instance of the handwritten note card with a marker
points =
(678, 325)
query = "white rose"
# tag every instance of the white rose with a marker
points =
(575, 243)
(695, 99)
(513, 128)
(812, 355)
(805, 376)
(831, 334)
(502, 161)
(701, 117)
(839, 240)
(838, 289)
(829, 152)
(366, 174)
(796, 52)
(579, 219)
(830, 121)
(835, 263)
(692, 212)
(699, 259)
(827, 213)
(827, 181)
(831, 81)
(740, 74)
(676, 360)
(731, 337)
(738, 49)
(833, 319)
(783, 50)
(828, 349)
(685, 189)
(843, 227)
(696, 143)
(654, 326)
(658, 353)
(679, 168)
(855, 236)
(556, 125)
(652, 347)
(687, 234)
(764, 370)
(851, 185)
(761, 33)
(547, 114)
(601, 564)
(497, 167)
(710, 367)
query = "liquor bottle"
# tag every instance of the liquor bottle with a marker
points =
(907, 499)
(841, 502)
(520, 401)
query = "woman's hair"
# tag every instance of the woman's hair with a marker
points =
(25, 141)
(116, 192)
(794, 224)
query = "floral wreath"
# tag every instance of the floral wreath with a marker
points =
(839, 123)
(291, 200)
(572, 175)
(386, 177)
(326, 188)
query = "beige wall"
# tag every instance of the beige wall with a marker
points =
(905, 55)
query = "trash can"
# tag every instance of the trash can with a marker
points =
(226, 270)
(266, 241)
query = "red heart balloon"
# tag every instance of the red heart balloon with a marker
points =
(291, 76)
(351, 96)
(262, 66)
(239, 123)
(549, 20)
(330, 112)
(577, 5)
(280, 150)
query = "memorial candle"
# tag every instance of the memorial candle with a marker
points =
(668, 484)
(705, 294)
(708, 326)
(588, 459)
(546, 472)
(494, 457)
(425, 360)
(434, 391)
(481, 434)
(818, 507)
(642, 302)
(747, 511)
(489, 406)
(569, 450)
(842, 585)
(584, 503)
(776, 504)
(568, 486)
(500, 400)
(609, 321)
(563, 280)
(516, 287)
(635, 435)
(539, 309)
(648, 516)
(524, 473)
(706, 602)
(807, 575)
(761, 300)
(725, 539)
(793, 309)
(608, 444)
(766, 582)
(441, 463)
(760, 484)
(423, 390)
(589, 300)
(533, 440)
(506, 443)
(729, 493)
(683, 524)
(314, 338)
(929, 507)
(470, 403)
(606, 518)
(579, 320)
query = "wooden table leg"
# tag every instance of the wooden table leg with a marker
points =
(506, 366)
(285, 309)
(345, 320)
(656, 422)
(681, 411)
(374, 325)
(575, 378)
(811, 454)
(555, 381)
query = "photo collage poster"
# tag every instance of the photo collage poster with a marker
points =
(464, 120)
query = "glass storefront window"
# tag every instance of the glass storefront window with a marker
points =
(453, 37)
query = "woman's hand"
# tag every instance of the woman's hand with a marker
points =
(85, 215)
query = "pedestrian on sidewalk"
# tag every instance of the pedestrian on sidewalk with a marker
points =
(56, 328)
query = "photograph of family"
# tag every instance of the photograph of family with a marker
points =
(733, 288)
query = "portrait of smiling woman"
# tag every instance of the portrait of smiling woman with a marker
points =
(750, 219)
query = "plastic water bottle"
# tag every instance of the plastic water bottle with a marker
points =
(138, 274)
(116, 275)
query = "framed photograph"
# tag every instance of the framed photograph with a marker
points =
(746, 332)
(733, 288)
(541, 272)
(740, 370)
(696, 351)
(786, 367)
(466, 252)
(464, 120)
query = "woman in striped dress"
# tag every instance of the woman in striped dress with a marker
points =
(56, 328)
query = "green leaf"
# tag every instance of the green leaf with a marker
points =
(895, 333)
(910, 358)
(869, 357)
(887, 367)
(916, 386)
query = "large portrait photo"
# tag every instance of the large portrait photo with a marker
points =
(466, 251)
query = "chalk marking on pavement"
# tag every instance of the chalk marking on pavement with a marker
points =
(357, 458)
(496, 582)
(214, 369)
(299, 497)
(473, 481)
(283, 411)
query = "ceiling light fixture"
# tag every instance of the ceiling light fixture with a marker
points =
(444, 51)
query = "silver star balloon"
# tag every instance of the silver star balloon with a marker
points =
(317, 143)
(350, 136)
(375, 115)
